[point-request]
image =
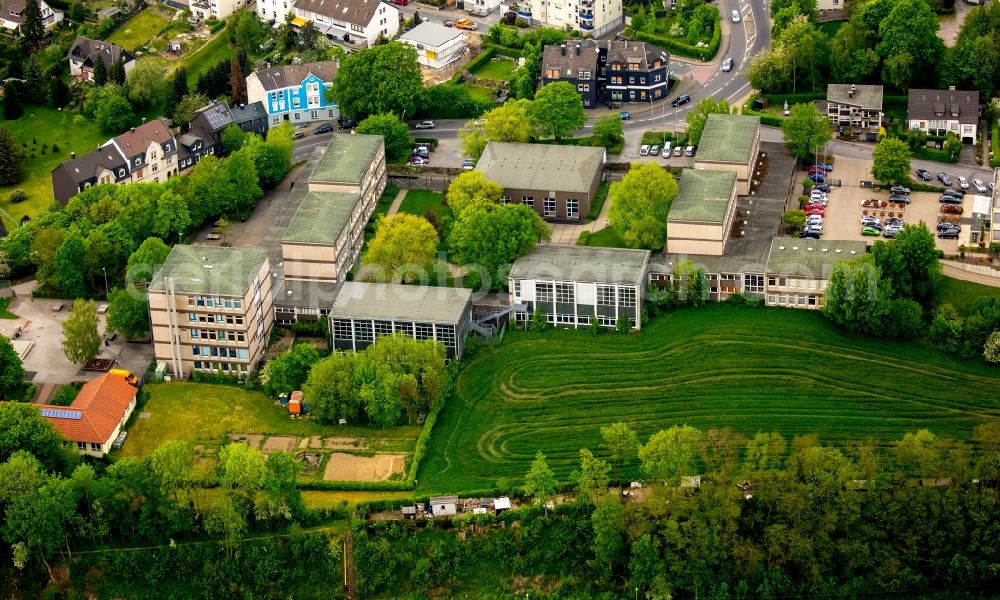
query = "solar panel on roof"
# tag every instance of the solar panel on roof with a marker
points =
(218, 118)
(61, 414)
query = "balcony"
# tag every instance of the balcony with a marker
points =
(586, 3)
(586, 26)
(524, 13)
(587, 16)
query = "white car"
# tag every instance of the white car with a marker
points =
(425, 125)
(814, 227)
(727, 65)
(736, 16)
(818, 194)
(644, 150)
(979, 185)
(869, 220)
(963, 183)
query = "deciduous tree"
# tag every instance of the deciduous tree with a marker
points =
(146, 260)
(67, 267)
(81, 341)
(669, 454)
(557, 110)
(857, 296)
(640, 203)
(991, 350)
(397, 135)
(593, 480)
(380, 79)
(472, 189)
(540, 482)
(909, 43)
(11, 371)
(805, 130)
(891, 160)
(509, 122)
(237, 83)
(698, 116)
(609, 131)
(494, 237)
(23, 428)
(329, 390)
(289, 370)
(403, 246)
(232, 138)
(128, 313)
(473, 139)
(622, 442)
(608, 521)
(187, 107)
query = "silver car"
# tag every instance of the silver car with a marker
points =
(727, 65)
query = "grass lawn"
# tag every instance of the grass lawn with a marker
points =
(137, 31)
(418, 202)
(830, 28)
(330, 499)
(44, 124)
(4, 313)
(961, 294)
(204, 414)
(606, 238)
(749, 369)
(481, 93)
(496, 69)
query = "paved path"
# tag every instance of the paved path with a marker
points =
(396, 203)
(566, 234)
(949, 269)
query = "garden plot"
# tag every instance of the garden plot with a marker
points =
(350, 467)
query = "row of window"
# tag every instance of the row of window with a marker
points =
(222, 336)
(219, 366)
(619, 80)
(93, 446)
(217, 352)
(566, 293)
(792, 282)
(794, 300)
(216, 302)
(217, 319)
(565, 319)
(367, 331)
(549, 206)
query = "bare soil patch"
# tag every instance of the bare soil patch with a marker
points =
(348, 467)
(279, 443)
(250, 439)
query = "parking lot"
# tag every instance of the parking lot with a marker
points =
(844, 212)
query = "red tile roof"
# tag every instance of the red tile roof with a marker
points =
(96, 412)
(137, 140)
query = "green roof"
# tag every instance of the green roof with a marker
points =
(321, 217)
(728, 138)
(347, 158)
(805, 257)
(209, 270)
(703, 197)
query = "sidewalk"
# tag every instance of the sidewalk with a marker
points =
(973, 273)
(396, 203)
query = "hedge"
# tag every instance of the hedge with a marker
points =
(483, 58)
(349, 486)
(508, 51)
(805, 98)
(424, 438)
(683, 49)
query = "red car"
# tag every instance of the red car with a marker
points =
(820, 170)
(400, 2)
(816, 211)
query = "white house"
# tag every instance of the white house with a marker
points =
(586, 16)
(85, 53)
(295, 93)
(274, 10)
(482, 7)
(214, 9)
(823, 5)
(940, 112)
(12, 14)
(437, 46)
(357, 22)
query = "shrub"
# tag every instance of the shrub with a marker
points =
(64, 395)
(623, 324)
(18, 195)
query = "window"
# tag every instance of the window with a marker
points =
(631, 79)
(753, 284)
(138, 161)
(626, 297)
(363, 331)
(237, 304)
(573, 209)
(81, 445)
(517, 288)
(543, 291)
(341, 329)
(195, 334)
(528, 201)
(633, 66)
(402, 327)
(550, 207)
(425, 331)
(605, 295)
(565, 293)
(615, 80)
(446, 335)
(192, 317)
(565, 319)
(383, 328)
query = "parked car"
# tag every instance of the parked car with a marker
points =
(806, 233)
(953, 192)
(825, 166)
(727, 65)
(298, 135)
(817, 170)
(899, 199)
(400, 2)
(419, 161)
(823, 187)
(869, 220)
(979, 185)
(946, 225)
(899, 189)
(817, 177)
(924, 175)
(943, 178)
(680, 100)
(949, 199)
(421, 151)
(468, 164)
(644, 150)
(736, 16)
(678, 151)
(689, 151)
(324, 128)
(654, 150)
(816, 210)
(346, 123)
(425, 125)
(449, 23)
(870, 230)
(890, 232)
(963, 182)
(894, 222)
(949, 234)
(625, 115)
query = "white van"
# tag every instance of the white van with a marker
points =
(666, 149)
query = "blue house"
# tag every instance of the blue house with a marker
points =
(295, 93)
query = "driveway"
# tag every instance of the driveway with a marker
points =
(950, 24)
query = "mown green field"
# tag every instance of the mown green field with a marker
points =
(750, 369)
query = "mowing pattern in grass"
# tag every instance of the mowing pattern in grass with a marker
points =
(418, 202)
(137, 31)
(497, 69)
(718, 366)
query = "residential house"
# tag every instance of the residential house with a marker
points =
(577, 63)
(95, 419)
(557, 182)
(572, 284)
(799, 269)
(855, 106)
(295, 93)
(635, 72)
(150, 151)
(940, 112)
(359, 22)
(85, 53)
(274, 11)
(730, 143)
(701, 215)
(252, 118)
(482, 8)
(437, 46)
(363, 312)
(586, 16)
(204, 134)
(104, 165)
(827, 5)
(12, 14)
(211, 309)
(214, 9)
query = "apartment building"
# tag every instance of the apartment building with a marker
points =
(363, 312)
(211, 309)
(214, 9)
(274, 11)
(592, 17)
(579, 64)
(571, 284)
(150, 151)
(798, 270)
(855, 106)
(358, 22)
(940, 112)
(93, 422)
(701, 215)
(730, 143)
(295, 93)
(608, 71)
(204, 134)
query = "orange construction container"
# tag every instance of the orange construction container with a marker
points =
(295, 403)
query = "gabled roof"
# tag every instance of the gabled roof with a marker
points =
(544, 167)
(88, 51)
(13, 10)
(357, 12)
(431, 34)
(570, 59)
(635, 52)
(96, 412)
(137, 140)
(216, 116)
(248, 112)
(944, 105)
(862, 96)
(276, 78)
(89, 165)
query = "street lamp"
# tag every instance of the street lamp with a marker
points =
(105, 280)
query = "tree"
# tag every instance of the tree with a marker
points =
(100, 75)
(698, 116)
(851, 58)
(856, 296)
(33, 81)
(173, 465)
(380, 79)
(232, 138)
(806, 49)
(11, 371)
(58, 93)
(952, 147)
(172, 217)
(111, 109)
(805, 130)
(329, 389)
(764, 452)
(81, 342)
(795, 219)
(472, 189)
(146, 260)
(67, 267)
(802, 7)
(289, 370)
(557, 110)
(237, 83)
(246, 30)
(509, 122)
(13, 107)
(243, 182)
(608, 521)
(768, 70)
(593, 480)
(609, 131)
(398, 142)
(403, 246)
(991, 350)
(222, 519)
(910, 263)
(640, 203)
(144, 83)
(492, 238)
(669, 454)
(946, 329)
(473, 139)
(909, 43)
(187, 107)
(116, 74)
(32, 30)
(128, 313)
(540, 482)
(11, 158)
(622, 442)
(241, 468)
(891, 160)
(4, 264)
(23, 428)
(177, 89)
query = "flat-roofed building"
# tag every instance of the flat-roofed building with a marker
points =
(324, 237)
(855, 106)
(730, 143)
(437, 46)
(798, 270)
(211, 309)
(557, 182)
(701, 215)
(363, 312)
(570, 284)
(351, 163)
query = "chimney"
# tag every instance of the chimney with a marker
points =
(72, 154)
(562, 48)
(850, 92)
(132, 129)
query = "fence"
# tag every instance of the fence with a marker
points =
(438, 183)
